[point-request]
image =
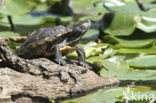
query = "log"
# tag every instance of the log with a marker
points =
(39, 80)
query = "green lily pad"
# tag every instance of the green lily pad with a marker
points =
(128, 0)
(128, 18)
(84, 6)
(134, 41)
(65, 20)
(93, 60)
(25, 20)
(113, 4)
(146, 62)
(140, 43)
(146, 23)
(102, 96)
(137, 51)
(120, 69)
(117, 95)
(15, 7)
(123, 23)
(90, 51)
(8, 34)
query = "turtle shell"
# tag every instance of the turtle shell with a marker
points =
(40, 41)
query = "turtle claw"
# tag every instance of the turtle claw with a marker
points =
(84, 64)
(61, 61)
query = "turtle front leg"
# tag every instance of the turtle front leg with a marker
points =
(81, 56)
(58, 56)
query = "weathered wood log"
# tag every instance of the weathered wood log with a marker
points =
(38, 80)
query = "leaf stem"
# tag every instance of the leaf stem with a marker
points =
(11, 23)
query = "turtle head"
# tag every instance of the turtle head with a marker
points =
(79, 30)
(83, 27)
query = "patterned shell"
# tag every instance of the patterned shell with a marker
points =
(37, 41)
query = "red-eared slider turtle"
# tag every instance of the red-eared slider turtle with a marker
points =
(46, 41)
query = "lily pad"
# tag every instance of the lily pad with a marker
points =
(146, 62)
(15, 7)
(8, 34)
(84, 6)
(133, 41)
(25, 20)
(137, 51)
(140, 43)
(117, 95)
(146, 24)
(90, 51)
(102, 96)
(128, 18)
(122, 24)
(120, 69)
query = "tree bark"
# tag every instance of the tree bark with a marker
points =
(38, 80)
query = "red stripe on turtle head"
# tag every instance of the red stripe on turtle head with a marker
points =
(81, 24)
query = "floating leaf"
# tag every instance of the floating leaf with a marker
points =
(147, 24)
(122, 24)
(8, 34)
(102, 96)
(15, 7)
(146, 62)
(140, 43)
(129, 18)
(117, 95)
(120, 69)
(25, 20)
(137, 51)
(90, 51)
(84, 6)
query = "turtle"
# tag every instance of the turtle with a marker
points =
(52, 41)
